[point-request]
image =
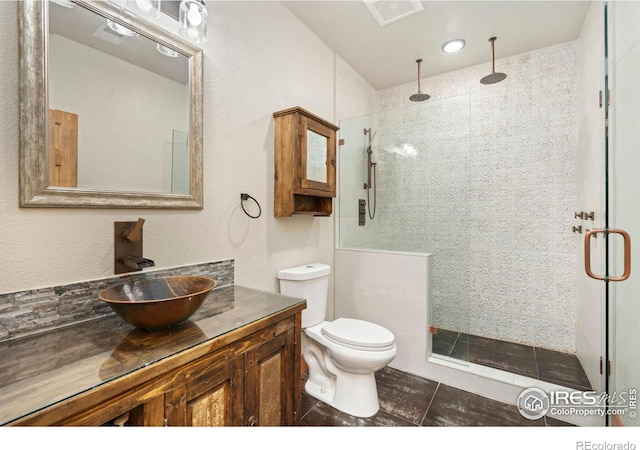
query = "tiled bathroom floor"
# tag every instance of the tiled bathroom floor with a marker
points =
(547, 365)
(408, 400)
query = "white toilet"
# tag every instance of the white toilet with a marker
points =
(342, 355)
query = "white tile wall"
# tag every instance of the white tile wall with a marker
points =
(391, 290)
(484, 178)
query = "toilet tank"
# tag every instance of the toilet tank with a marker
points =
(310, 282)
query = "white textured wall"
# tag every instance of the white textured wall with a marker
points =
(391, 290)
(259, 59)
(590, 293)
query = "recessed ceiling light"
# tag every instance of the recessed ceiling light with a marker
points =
(453, 46)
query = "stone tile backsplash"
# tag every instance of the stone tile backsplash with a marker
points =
(40, 309)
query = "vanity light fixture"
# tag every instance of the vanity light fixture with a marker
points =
(146, 8)
(453, 46)
(167, 51)
(193, 20)
(120, 29)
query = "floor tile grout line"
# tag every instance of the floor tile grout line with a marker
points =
(310, 409)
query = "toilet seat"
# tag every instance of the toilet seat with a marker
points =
(358, 334)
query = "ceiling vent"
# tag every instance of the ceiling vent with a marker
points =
(386, 12)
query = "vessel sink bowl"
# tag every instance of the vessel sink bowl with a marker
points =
(158, 303)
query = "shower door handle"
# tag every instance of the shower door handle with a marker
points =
(627, 254)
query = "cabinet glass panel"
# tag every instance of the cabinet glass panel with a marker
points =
(316, 157)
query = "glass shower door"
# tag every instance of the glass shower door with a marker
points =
(623, 211)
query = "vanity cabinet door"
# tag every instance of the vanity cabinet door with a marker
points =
(270, 383)
(210, 393)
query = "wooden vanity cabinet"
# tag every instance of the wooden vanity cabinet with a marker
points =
(304, 163)
(253, 387)
(247, 381)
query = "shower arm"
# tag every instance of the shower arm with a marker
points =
(493, 56)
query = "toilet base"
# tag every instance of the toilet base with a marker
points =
(353, 393)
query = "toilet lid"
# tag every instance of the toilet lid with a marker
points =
(358, 333)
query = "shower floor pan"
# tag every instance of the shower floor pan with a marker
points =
(559, 368)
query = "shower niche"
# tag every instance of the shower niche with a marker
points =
(305, 163)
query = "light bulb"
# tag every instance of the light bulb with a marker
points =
(193, 21)
(194, 16)
(144, 5)
(146, 8)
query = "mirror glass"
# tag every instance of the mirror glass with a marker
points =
(124, 102)
(115, 119)
(316, 157)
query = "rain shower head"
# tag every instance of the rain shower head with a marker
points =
(419, 96)
(493, 77)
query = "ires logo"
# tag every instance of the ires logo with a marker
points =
(534, 403)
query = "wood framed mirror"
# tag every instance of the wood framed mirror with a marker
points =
(119, 160)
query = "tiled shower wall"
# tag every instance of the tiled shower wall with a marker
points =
(484, 177)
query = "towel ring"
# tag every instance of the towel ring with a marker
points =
(244, 197)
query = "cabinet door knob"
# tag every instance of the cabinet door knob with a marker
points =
(253, 422)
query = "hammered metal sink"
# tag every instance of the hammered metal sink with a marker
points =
(158, 303)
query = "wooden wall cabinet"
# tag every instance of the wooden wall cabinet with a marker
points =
(304, 163)
(250, 381)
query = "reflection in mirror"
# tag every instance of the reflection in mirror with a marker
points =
(128, 100)
(111, 116)
(316, 157)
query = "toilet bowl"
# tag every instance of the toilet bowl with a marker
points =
(342, 355)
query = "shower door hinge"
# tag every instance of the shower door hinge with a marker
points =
(433, 330)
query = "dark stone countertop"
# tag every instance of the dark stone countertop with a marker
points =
(41, 370)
